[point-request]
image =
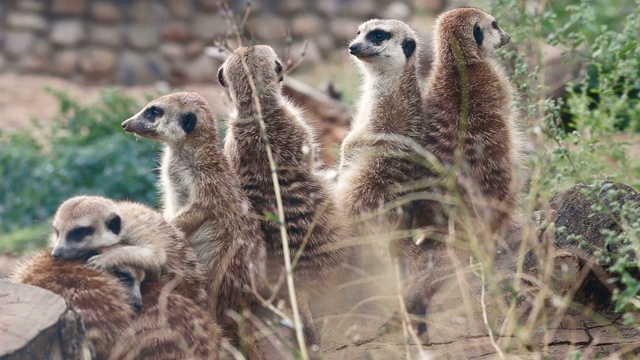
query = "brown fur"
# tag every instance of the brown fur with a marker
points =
(99, 297)
(486, 175)
(313, 222)
(168, 326)
(203, 198)
(144, 240)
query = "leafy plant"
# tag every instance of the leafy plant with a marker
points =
(84, 151)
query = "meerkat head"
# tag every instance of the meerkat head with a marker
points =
(475, 31)
(264, 67)
(132, 278)
(173, 118)
(84, 224)
(384, 45)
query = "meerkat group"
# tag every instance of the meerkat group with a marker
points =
(215, 255)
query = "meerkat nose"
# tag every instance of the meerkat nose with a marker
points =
(353, 49)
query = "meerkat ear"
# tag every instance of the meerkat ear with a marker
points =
(477, 34)
(188, 122)
(221, 77)
(114, 224)
(408, 47)
(279, 70)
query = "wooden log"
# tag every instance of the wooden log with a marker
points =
(37, 324)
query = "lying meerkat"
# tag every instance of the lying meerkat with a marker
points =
(167, 325)
(109, 234)
(100, 299)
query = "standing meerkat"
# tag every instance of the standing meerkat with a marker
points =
(203, 198)
(114, 233)
(314, 226)
(379, 154)
(470, 114)
(100, 299)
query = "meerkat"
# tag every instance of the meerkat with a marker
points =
(313, 222)
(167, 325)
(203, 197)
(100, 299)
(380, 154)
(470, 114)
(113, 233)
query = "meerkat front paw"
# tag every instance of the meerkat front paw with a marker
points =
(98, 262)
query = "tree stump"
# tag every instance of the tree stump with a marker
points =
(37, 324)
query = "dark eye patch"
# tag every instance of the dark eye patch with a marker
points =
(152, 113)
(377, 36)
(79, 233)
(478, 35)
(494, 24)
(124, 277)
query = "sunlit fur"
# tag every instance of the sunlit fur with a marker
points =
(313, 222)
(145, 240)
(203, 198)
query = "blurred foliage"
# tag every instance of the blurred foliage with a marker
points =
(84, 151)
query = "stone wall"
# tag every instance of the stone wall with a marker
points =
(141, 41)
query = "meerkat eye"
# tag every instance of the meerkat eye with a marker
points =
(124, 277)
(494, 24)
(79, 233)
(357, 32)
(378, 36)
(152, 113)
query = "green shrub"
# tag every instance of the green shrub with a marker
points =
(84, 151)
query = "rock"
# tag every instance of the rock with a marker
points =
(362, 9)
(27, 21)
(37, 324)
(574, 213)
(65, 63)
(434, 6)
(41, 49)
(207, 26)
(32, 64)
(175, 31)
(267, 28)
(105, 35)
(140, 10)
(172, 52)
(142, 37)
(105, 12)
(328, 8)
(194, 49)
(180, 9)
(210, 5)
(18, 42)
(344, 29)
(67, 32)
(558, 71)
(291, 7)
(3, 62)
(202, 69)
(30, 5)
(68, 7)
(397, 10)
(306, 26)
(134, 68)
(97, 63)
